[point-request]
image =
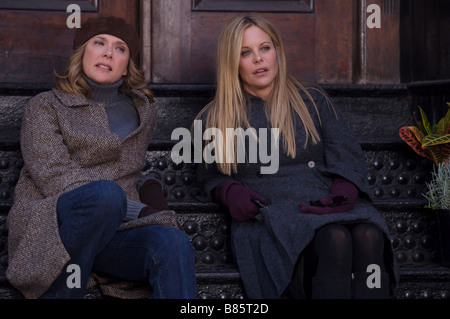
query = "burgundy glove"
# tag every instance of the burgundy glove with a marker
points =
(151, 194)
(342, 198)
(239, 200)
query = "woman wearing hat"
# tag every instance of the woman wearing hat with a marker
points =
(80, 210)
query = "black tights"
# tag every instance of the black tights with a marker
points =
(339, 250)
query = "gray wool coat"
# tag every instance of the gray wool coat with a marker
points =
(267, 247)
(66, 143)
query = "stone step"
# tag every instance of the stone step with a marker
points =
(425, 282)
(414, 238)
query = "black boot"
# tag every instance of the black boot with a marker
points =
(361, 289)
(331, 287)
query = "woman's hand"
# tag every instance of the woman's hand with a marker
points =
(241, 201)
(151, 193)
(341, 199)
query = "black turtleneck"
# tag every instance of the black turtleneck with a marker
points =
(123, 117)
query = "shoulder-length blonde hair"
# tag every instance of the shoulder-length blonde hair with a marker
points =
(72, 81)
(228, 108)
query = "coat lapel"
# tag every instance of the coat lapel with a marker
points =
(72, 100)
(139, 99)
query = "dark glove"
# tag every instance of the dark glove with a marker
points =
(342, 198)
(151, 194)
(239, 200)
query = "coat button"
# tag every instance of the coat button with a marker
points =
(311, 164)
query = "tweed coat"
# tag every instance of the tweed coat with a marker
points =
(267, 247)
(65, 143)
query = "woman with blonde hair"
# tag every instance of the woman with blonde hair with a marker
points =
(81, 213)
(308, 229)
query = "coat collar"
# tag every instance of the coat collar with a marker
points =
(74, 100)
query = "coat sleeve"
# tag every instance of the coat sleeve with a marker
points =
(209, 176)
(343, 154)
(45, 155)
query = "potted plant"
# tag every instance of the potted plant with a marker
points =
(429, 141)
(433, 142)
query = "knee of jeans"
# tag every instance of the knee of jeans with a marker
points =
(110, 199)
(177, 243)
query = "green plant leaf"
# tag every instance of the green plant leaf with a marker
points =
(435, 139)
(410, 135)
(444, 123)
(431, 142)
(426, 126)
(411, 132)
(445, 150)
(435, 154)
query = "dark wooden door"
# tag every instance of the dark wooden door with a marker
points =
(326, 41)
(35, 39)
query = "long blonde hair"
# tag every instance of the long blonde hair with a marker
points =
(72, 81)
(228, 108)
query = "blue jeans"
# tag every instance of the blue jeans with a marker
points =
(160, 255)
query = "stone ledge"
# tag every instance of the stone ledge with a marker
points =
(396, 174)
(426, 282)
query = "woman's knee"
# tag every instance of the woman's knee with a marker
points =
(110, 199)
(334, 235)
(98, 201)
(180, 241)
(176, 243)
(368, 234)
(333, 249)
(368, 240)
(368, 246)
(109, 193)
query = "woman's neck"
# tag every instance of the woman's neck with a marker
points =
(105, 93)
(263, 94)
